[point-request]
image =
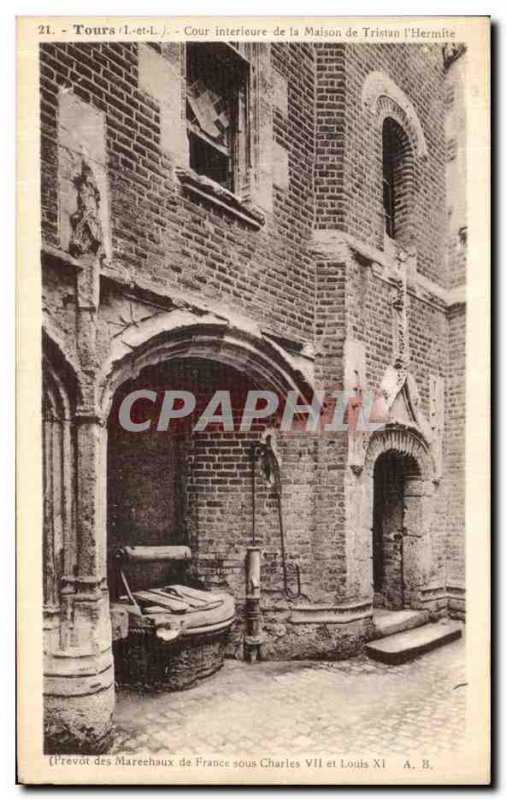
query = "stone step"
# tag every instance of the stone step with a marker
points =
(405, 646)
(388, 622)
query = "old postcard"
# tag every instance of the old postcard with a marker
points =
(253, 428)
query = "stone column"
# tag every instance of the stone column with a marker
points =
(79, 675)
(78, 665)
(359, 534)
(417, 541)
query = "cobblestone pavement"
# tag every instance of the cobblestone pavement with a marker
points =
(357, 706)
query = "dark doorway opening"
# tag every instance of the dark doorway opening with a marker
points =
(179, 486)
(393, 473)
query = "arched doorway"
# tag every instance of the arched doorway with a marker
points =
(60, 395)
(393, 490)
(399, 505)
(194, 488)
(78, 676)
(394, 507)
(179, 486)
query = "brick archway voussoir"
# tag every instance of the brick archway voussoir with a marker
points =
(177, 335)
(404, 442)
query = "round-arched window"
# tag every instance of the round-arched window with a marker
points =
(398, 173)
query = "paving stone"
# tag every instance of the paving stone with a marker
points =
(357, 707)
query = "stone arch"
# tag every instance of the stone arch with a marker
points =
(177, 334)
(406, 443)
(383, 98)
(170, 338)
(77, 635)
(409, 448)
(401, 147)
(410, 445)
(55, 352)
(60, 396)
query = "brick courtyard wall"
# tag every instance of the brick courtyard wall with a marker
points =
(349, 147)
(456, 124)
(330, 194)
(329, 545)
(196, 489)
(166, 249)
(456, 389)
(369, 319)
(455, 447)
(348, 198)
(165, 240)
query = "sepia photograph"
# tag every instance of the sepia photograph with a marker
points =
(253, 355)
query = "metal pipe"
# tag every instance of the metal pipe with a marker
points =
(254, 636)
(263, 451)
(253, 461)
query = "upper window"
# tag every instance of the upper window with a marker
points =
(216, 113)
(397, 180)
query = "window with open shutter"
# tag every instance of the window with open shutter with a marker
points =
(217, 114)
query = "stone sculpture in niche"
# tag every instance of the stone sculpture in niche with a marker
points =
(87, 234)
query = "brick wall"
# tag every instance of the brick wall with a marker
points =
(349, 149)
(457, 258)
(456, 124)
(163, 243)
(348, 196)
(455, 444)
(330, 210)
(369, 319)
(170, 240)
(179, 487)
(330, 329)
